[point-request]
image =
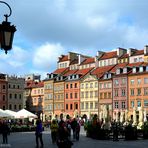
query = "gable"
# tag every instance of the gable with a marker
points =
(89, 78)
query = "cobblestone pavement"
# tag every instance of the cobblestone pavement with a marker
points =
(27, 140)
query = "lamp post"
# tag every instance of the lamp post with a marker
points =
(6, 32)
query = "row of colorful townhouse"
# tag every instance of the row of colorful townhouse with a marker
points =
(82, 85)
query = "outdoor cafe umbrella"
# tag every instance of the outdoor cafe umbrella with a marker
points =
(3, 114)
(25, 114)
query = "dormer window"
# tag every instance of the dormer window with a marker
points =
(109, 75)
(75, 76)
(134, 69)
(118, 71)
(70, 77)
(105, 76)
(146, 68)
(125, 70)
(141, 69)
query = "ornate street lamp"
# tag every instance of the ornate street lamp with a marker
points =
(6, 32)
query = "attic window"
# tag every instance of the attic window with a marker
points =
(125, 70)
(118, 71)
(134, 69)
(109, 75)
(141, 69)
(105, 76)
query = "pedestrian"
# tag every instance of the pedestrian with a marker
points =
(73, 126)
(5, 130)
(54, 130)
(77, 131)
(115, 131)
(38, 133)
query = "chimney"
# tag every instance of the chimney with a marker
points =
(145, 49)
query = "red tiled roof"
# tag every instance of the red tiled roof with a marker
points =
(101, 70)
(124, 56)
(135, 64)
(75, 61)
(83, 72)
(59, 71)
(88, 61)
(121, 65)
(138, 52)
(63, 58)
(70, 72)
(34, 84)
(108, 55)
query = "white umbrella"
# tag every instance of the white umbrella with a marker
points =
(10, 112)
(25, 114)
(3, 114)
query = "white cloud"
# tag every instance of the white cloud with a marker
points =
(46, 55)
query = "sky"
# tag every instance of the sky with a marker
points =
(48, 28)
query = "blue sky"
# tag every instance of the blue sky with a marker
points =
(48, 28)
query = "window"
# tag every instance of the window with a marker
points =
(101, 95)
(139, 91)
(105, 95)
(86, 106)
(18, 86)
(139, 81)
(71, 106)
(116, 104)
(66, 106)
(66, 86)
(10, 106)
(132, 104)
(109, 95)
(135, 60)
(138, 103)
(116, 92)
(15, 107)
(132, 82)
(15, 96)
(82, 105)
(96, 84)
(118, 71)
(4, 87)
(76, 95)
(70, 95)
(96, 93)
(134, 70)
(75, 85)
(66, 95)
(145, 80)
(123, 92)
(116, 82)
(20, 96)
(86, 94)
(91, 85)
(76, 106)
(70, 85)
(91, 94)
(86, 86)
(123, 81)
(82, 86)
(9, 86)
(91, 105)
(124, 70)
(82, 94)
(123, 105)
(4, 97)
(132, 92)
(141, 69)
(145, 103)
(96, 105)
(146, 91)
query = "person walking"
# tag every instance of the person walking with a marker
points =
(54, 130)
(38, 133)
(5, 130)
(78, 131)
(73, 126)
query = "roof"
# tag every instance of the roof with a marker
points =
(135, 64)
(60, 70)
(83, 72)
(138, 52)
(108, 55)
(126, 55)
(70, 72)
(121, 65)
(99, 72)
(75, 61)
(63, 58)
(88, 61)
(34, 84)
